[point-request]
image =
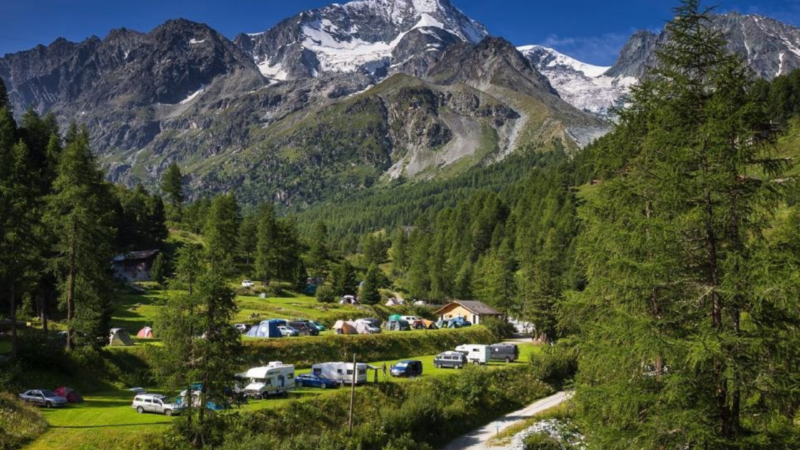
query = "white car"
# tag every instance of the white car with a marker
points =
(288, 331)
(153, 403)
(248, 284)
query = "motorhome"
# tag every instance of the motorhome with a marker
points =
(341, 372)
(273, 379)
(476, 354)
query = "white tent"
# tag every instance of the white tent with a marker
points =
(118, 336)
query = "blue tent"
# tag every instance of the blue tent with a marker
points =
(266, 329)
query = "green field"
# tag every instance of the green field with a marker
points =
(106, 419)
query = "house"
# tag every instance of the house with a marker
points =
(471, 310)
(134, 266)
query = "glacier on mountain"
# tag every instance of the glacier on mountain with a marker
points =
(584, 86)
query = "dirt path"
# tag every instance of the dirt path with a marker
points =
(476, 440)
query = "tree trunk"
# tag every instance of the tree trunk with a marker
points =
(13, 314)
(71, 289)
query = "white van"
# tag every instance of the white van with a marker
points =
(273, 379)
(476, 354)
(341, 372)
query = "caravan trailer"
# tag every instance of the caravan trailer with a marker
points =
(341, 372)
(476, 354)
(273, 379)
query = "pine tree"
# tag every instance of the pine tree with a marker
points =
(319, 254)
(246, 243)
(172, 186)
(79, 216)
(267, 250)
(221, 232)
(345, 281)
(19, 224)
(369, 293)
(684, 326)
(159, 272)
(419, 281)
(399, 251)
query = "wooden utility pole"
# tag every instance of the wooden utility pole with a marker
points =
(352, 395)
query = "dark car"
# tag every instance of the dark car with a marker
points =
(397, 325)
(410, 369)
(311, 380)
(504, 352)
(304, 328)
(452, 360)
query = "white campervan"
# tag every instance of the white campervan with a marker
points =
(341, 372)
(273, 379)
(476, 354)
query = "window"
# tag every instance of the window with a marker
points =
(147, 400)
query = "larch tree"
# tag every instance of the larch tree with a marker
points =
(221, 233)
(172, 186)
(319, 253)
(687, 322)
(79, 214)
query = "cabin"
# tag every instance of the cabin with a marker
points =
(471, 310)
(134, 266)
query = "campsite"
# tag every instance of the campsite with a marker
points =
(107, 416)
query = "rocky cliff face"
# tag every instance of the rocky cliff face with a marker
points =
(769, 47)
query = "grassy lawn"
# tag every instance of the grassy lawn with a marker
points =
(107, 420)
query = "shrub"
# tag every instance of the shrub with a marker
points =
(499, 328)
(555, 365)
(325, 294)
(541, 441)
(19, 423)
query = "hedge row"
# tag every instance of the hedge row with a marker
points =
(306, 351)
(19, 424)
(389, 416)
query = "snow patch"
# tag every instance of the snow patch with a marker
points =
(195, 41)
(275, 72)
(780, 67)
(192, 96)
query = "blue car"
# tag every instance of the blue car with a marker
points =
(311, 380)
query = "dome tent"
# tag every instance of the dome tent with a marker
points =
(145, 333)
(70, 394)
(118, 336)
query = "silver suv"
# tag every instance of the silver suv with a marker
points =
(154, 403)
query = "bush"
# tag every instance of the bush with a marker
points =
(19, 423)
(555, 365)
(305, 351)
(541, 441)
(423, 415)
(325, 294)
(499, 328)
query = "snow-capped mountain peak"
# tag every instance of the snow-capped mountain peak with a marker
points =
(585, 86)
(553, 59)
(361, 35)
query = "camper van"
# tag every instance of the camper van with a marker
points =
(341, 372)
(504, 352)
(273, 379)
(476, 354)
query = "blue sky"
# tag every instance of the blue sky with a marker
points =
(590, 30)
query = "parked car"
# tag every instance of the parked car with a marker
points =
(248, 284)
(304, 328)
(451, 360)
(504, 352)
(288, 331)
(409, 319)
(319, 326)
(42, 397)
(154, 403)
(410, 369)
(317, 381)
(371, 321)
(242, 327)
